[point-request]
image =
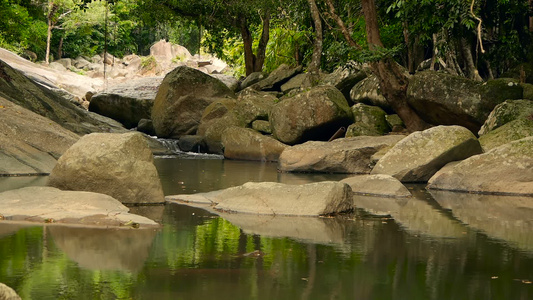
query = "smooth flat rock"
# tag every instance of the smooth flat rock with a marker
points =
(421, 154)
(345, 155)
(379, 184)
(29, 143)
(507, 169)
(48, 204)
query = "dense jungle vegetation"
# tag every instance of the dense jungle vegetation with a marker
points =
(261, 34)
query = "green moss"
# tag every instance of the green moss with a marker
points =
(509, 132)
(148, 62)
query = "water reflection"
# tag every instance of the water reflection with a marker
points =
(198, 255)
(509, 218)
(104, 249)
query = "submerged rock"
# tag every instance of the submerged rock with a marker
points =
(380, 185)
(507, 169)
(420, 155)
(51, 205)
(345, 155)
(270, 198)
(118, 165)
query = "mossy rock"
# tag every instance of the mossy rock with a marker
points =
(369, 120)
(506, 112)
(511, 131)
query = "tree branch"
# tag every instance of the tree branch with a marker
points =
(342, 26)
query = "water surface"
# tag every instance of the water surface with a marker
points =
(434, 246)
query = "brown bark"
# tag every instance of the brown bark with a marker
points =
(248, 51)
(253, 62)
(342, 26)
(471, 69)
(393, 81)
(60, 48)
(314, 66)
(261, 48)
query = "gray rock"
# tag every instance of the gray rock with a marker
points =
(262, 126)
(251, 79)
(48, 204)
(312, 115)
(19, 89)
(118, 165)
(7, 293)
(192, 143)
(253, 106)
(213, 134)
(294, 83)
(146, 126)
(181, 100)
(368, 91)
(269, 198)
(395, 123)
(506, 112)
(81, 63)
(512, 131)
(66, 62)
(420, 155)
(345, 155)
(229, 81)
(277, 78)
(213, 111)
(30, 143)
(344, 78)
(444, 99)
(128, 102)
(507, 169)
(378, 185)
(248, 144)
(368, 120)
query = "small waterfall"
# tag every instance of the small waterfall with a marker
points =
(171, 144)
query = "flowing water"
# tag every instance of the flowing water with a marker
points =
(436, 245)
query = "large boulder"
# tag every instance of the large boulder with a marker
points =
(213, 134)
(368, 120)
(214, 111)
(444, 99)
(248, 144)
(312, 115)
(30, 143)
(344, 78)
(231, 82)
(118, 165)
(506, 112)
(507, 169)
(345, 155)
(254, 106)
(377, 185)
(181, 100)
(512, 131)
(128, 102)
(48, 204)
(251, 79)
(19, 89)
(269, 198)
(277, 78)
(420, 155)
(368, 91)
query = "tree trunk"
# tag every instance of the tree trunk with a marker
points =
(342, 26)
(393, 81)
(48, 38)
(263, 42)
(470, 66)
(248, 43)
(60, 48)
(314, 66)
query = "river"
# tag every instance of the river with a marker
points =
(436, 245)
